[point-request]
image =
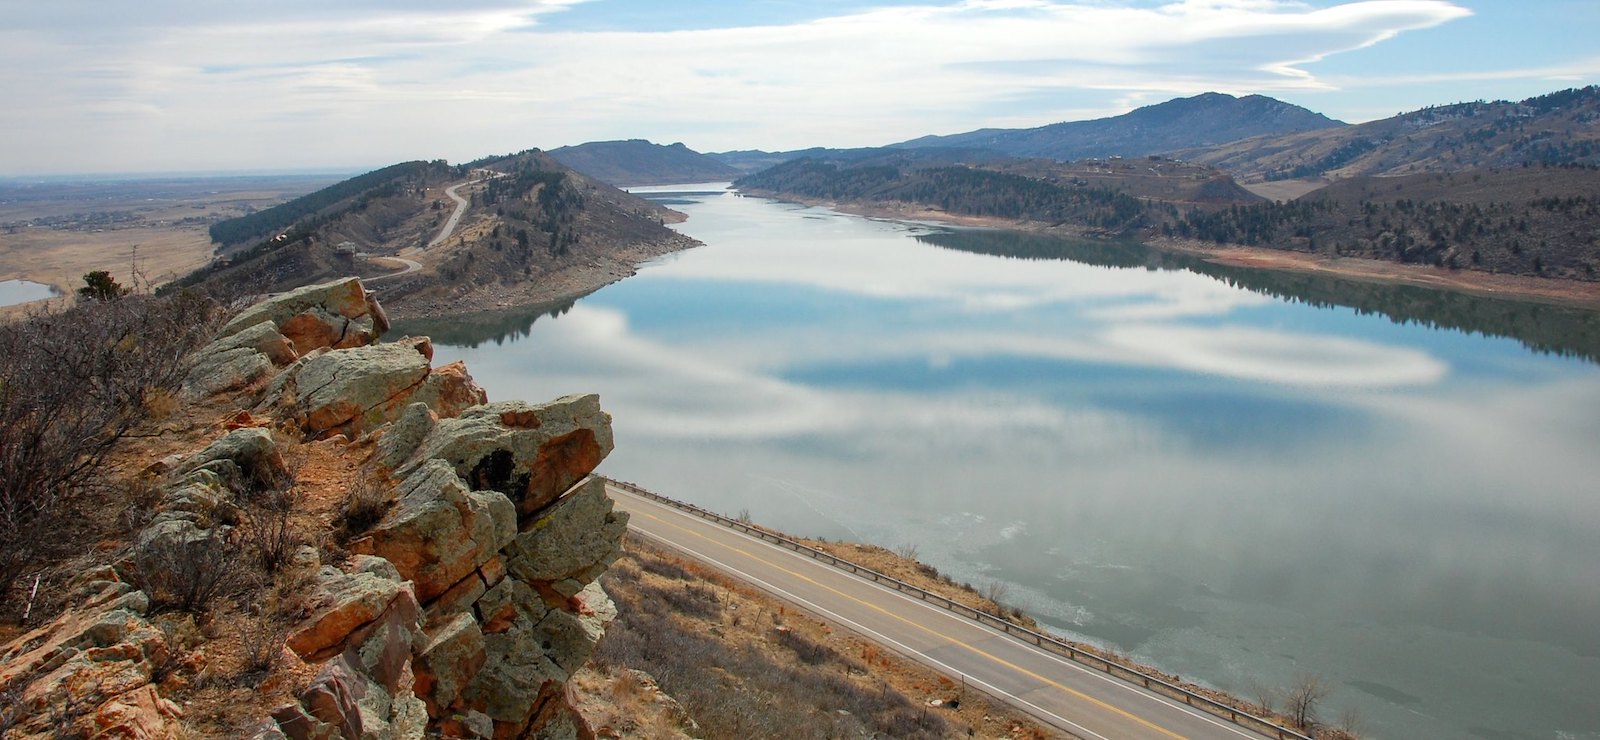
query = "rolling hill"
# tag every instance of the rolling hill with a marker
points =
(530, 223)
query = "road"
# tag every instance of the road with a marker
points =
(455, 216)
(1057, 691)
(461, 206)
(410, 267)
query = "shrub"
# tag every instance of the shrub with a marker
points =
(72, 383)
(270, 533)
(363, 506)
(188, 575)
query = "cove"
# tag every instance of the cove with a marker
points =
(1234, 475)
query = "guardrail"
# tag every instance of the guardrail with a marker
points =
(1092, 660)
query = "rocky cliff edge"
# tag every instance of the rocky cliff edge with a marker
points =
(461, 611)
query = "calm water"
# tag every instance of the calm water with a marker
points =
(13, 292)
(1236, 476)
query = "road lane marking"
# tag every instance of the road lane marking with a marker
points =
(951, 640)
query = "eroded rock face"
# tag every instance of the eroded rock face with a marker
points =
(98, 658)
(503, 540)
(531, 453)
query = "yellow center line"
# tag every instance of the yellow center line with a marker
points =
(929, 630)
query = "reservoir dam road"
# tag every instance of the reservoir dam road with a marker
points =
(1053, 689)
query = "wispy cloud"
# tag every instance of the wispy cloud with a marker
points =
(191, 84)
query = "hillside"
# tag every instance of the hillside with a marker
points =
(1121, 197)
(639, 162)
(1203, 120)
(1559, 128)
(532, 231)
(1537, 222)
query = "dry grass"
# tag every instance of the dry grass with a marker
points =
(988, 597)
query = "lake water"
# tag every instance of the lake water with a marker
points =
(13, 292)
(1237, 476)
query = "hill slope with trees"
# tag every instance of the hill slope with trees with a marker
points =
(639, 162)
(1561, 128)
(533, 230)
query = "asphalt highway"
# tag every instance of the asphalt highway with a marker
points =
(1057, 691)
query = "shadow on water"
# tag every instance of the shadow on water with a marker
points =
(1560, 330)
(475, 329)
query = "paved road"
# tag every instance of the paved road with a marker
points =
(410, 267)
(455, 216)
(1058, 692)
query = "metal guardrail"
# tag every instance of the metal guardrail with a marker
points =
(1092, 660)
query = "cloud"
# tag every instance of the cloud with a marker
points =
(317, 82)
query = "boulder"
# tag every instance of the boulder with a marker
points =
(439, 531)
(237, 360)
(97, 657)
(531, 453)
(449, 390)
(352, 390)
(401, 438)
(447, 657)
(246, 459)
(335, 314)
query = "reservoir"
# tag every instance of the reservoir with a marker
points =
(13, 292)
(1236, 476)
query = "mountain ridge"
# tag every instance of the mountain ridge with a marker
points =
(1207, 119)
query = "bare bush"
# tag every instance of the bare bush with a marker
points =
(363, 506)
(809, 651)
(696, 601)
(189, 574)
(261, 639)
(71, 384)
(270, 533)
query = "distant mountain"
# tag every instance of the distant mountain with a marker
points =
(639, 162)
(1561, 128)
(1184, 123)
(751, 161)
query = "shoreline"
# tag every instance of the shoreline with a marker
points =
(1572, 293)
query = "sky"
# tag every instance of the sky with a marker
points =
(104, 86)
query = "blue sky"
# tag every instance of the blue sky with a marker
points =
(170, 85)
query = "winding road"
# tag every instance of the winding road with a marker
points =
(1058, 692)
(455, 216)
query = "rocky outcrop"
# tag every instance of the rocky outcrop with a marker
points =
(90, 672)
(338, 314)
(463, 612)
(503, 542)
(280, 329)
